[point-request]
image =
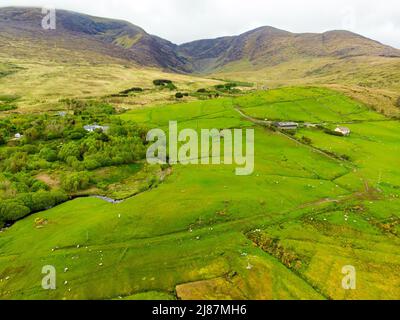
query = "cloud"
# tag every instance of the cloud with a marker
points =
(186, 20)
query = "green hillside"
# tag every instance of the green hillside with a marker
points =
(311, 207)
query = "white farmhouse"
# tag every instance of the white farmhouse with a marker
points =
(343, 131)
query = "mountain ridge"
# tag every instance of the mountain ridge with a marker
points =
(263, 46)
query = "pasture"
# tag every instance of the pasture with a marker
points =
(284, 232)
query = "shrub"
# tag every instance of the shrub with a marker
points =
(179, 95)
(11, 210)
(76, 181)
(42, 201)
(398, 102)
(17, 162)
(7, 107)
(161, 82)
(77, 134)
(26, 203)
(127, 91)
(48, 154)
(165, 83)
(31, 135)
(69, 150)
(306, 140)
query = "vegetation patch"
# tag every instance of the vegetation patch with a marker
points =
(164, 83)
(7, 102)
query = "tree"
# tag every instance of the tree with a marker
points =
(48, 154)
(76, 181)
(2, 139)
(69, 150)
(31, 135)
(179, 95)
(11, 210)
(17, 162)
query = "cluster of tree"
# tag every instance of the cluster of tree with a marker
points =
(60, 142)
(165, 84)
(74, 148)
(24, 204)
(203, 93)
(127, 92)
(229, 87)
(180, 95)
(134, 89)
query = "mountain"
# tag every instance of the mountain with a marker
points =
(267, 46)
(21, 34)
(88, 35)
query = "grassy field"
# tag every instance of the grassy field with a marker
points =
(43, 84)
(372, 80)
(284, 232)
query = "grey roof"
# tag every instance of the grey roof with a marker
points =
(287, 124)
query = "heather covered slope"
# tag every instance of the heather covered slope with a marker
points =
(262, 47)
(85, 34)
(268, 46)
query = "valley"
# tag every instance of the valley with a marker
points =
(74, 113)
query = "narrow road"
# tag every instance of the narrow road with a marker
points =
(266, 123)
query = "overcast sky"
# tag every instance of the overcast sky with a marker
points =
(186, 20)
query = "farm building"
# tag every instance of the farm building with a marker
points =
(95, 127)
(343, 130)
(286, 125)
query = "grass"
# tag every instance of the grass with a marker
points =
(371, 80)
(43, 84)
(190, 237)
(315, 105)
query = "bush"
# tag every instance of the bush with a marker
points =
(306, 140)
(48, 154)
(77, 134)
(17, 162)
(127, 91)
(27, 203)
(161, 82)
(11, 210)
(398, 102)
(42, 201)
(7, 107)
(69, 150)
(202, 90)
(31, 135)
(179, 95)
(76, 181)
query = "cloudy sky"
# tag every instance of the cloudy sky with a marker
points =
(186, 20)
